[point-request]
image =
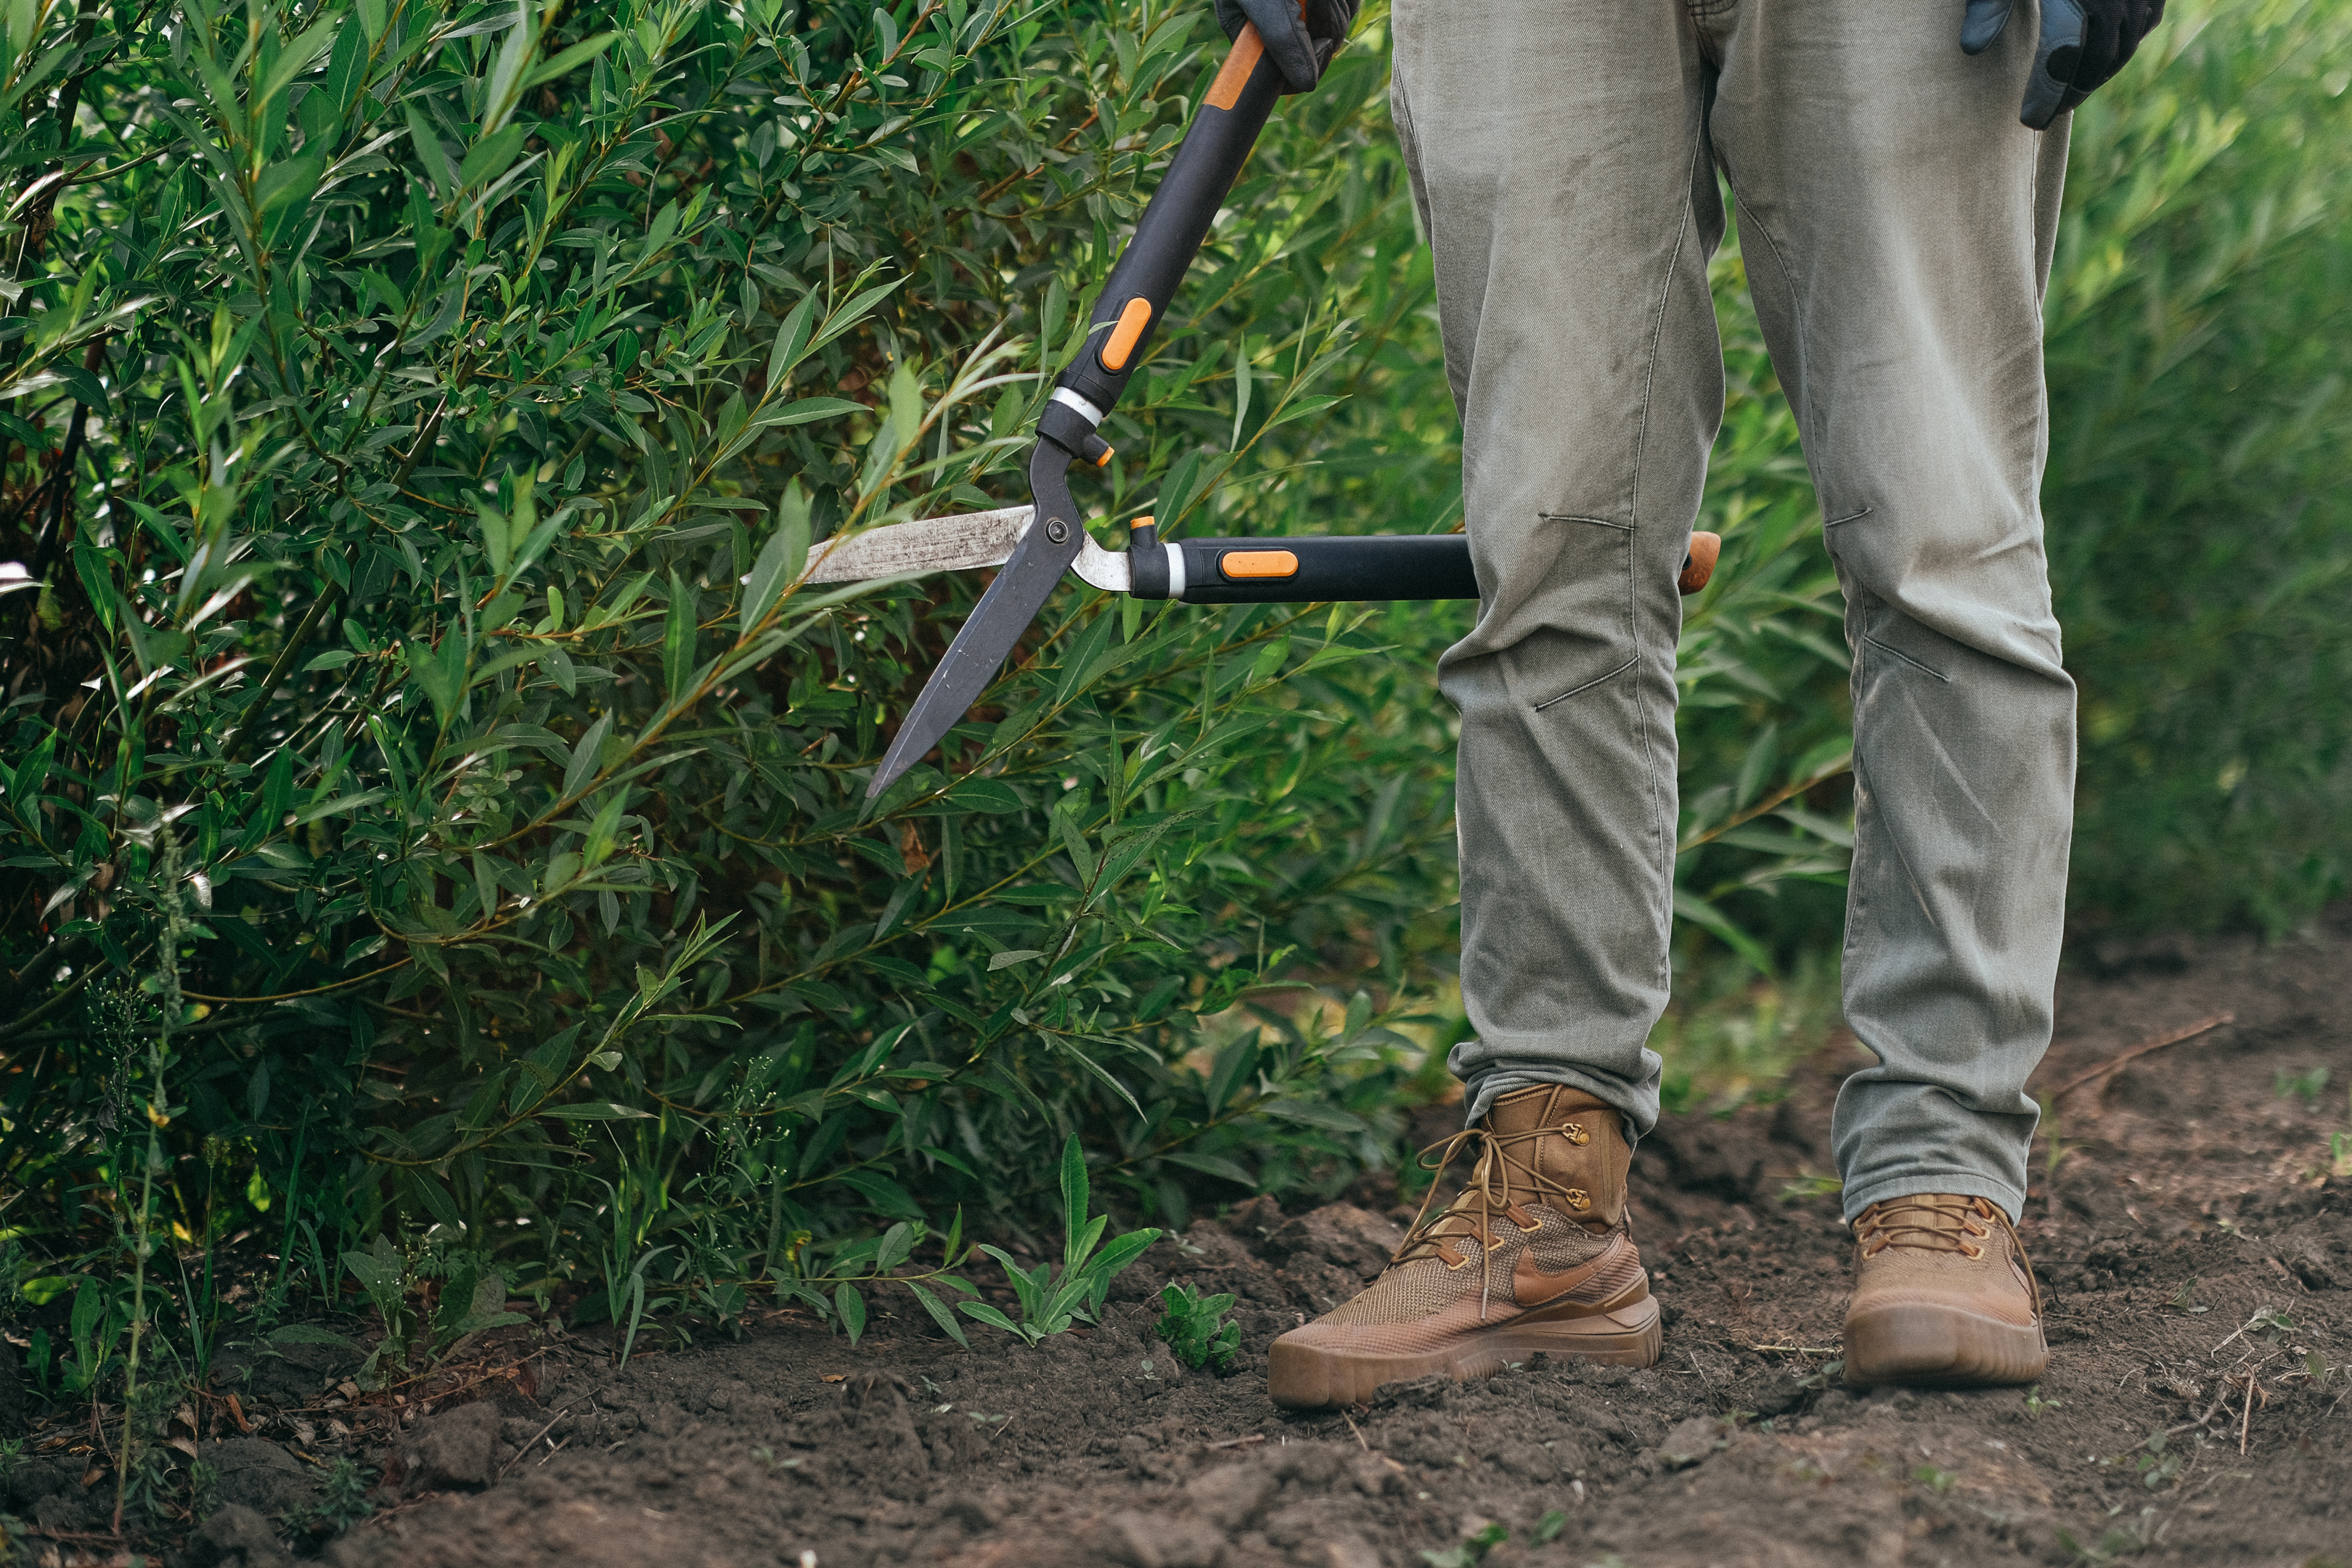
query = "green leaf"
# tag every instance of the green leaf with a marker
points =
(852, 1307)
(677, 640)
(791, 341)
(940, 1314)
(1074, 1195)
(991, 1316)
(571, 59)
(487, 159)
(780, 562)
(583, 763)
(806, 410)
(596, 1111)
(1214, 1165)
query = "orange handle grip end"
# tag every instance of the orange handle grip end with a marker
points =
(1699, 565)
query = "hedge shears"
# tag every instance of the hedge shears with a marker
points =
(1040, 544)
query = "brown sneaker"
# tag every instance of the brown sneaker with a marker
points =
(1533, 1256)
(1943, 1296)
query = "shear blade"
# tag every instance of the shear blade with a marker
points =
(965, 542)
(981, 648)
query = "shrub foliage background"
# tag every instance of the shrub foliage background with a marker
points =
(429, 804)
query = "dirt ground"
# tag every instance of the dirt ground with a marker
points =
(2196, 1254)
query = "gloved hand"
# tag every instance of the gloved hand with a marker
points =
(1301, 35)
(2083, 43)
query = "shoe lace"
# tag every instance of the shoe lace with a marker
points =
(1929, 1222)
(1933, 1222)
(1490, 1188)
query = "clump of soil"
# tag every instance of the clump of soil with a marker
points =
(2194, 1249)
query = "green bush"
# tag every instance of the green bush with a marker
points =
(2200, 528)
(432, 814)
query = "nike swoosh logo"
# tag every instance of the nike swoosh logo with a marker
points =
(1531, 1287)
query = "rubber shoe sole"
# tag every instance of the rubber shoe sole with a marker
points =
(1940, 1347)
(1313, 1377)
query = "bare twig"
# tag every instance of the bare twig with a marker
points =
(2115, 1063)
(535, 1436)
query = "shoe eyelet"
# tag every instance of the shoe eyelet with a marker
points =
(1575, 1133)
(1577, 1199)
(1974, 1253)
(1450, 1259)
(1519, 1216)
(1977, 1231)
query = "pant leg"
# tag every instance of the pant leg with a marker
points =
(1897, 222)
(1559, 160)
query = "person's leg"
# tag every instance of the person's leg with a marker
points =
(1897, 222)
(1558, 156)
(1559, 162)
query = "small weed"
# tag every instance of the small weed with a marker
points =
(1829, 1373)
(342, 1502)
(1939, 1482)
(1472, 1552)
(2272, 1323)
(1807, 1185)
(2120, 1542)
(2179, 1302)
(2157, 1462)
(1197, 1328)
(2305, 1087)
(2035, 1405)
(1548, 1527)
(1049, 1304)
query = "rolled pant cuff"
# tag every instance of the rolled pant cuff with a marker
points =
(1637, 1105)
(1958, 1182)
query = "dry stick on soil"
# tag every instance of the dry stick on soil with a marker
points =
(2115, 1064)
(534, 1438)
(2246, 1420)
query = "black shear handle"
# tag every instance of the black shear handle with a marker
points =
(1312, 570)
(1216, 146)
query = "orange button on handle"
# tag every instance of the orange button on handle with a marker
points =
(1133, 319)
(1239, 565)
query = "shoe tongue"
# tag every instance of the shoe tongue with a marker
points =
(1545, 1106)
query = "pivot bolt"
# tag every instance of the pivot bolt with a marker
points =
(1057, 531)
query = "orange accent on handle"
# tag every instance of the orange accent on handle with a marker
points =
(1235, 74)
(1133, 317)
(1144, 522)
(1104, 462)
(1699, 564)
(1241, 564)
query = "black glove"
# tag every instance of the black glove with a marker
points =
(1301, 35)
(2083, 43)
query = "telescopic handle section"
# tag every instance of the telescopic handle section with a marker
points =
(1316, 571)
(1216, 144)
(1303, 571)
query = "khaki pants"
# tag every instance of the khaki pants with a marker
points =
(1897, 223)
